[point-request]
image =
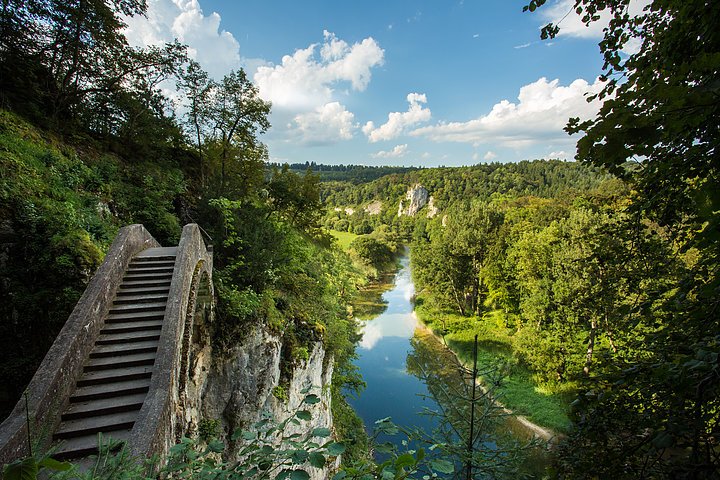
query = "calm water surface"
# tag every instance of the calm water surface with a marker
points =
(391, 390)
(399, 359)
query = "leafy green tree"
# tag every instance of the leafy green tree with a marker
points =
(296, 198)
(197, 86)
(656, 413)
(237, 114)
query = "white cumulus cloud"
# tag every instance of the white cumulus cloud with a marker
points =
(305, 80)
(562, 13)
(397, 152)
(490, 155)
(542, 110)
(215, 49)
(398, 122)
(561, 155)
(326, 124)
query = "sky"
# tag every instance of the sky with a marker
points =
(396, 82)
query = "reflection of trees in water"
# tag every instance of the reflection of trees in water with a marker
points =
(369, 302)
(490, 454)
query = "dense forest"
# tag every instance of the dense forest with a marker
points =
(90, 144)
(604, 285)
(599, 277)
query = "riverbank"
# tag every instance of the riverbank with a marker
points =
(425, 334)
(542, 408)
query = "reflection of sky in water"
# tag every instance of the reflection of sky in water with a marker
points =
(382, 360)
(398, 320)
(391, 391)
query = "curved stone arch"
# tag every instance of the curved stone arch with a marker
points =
(195, 341)
(163, 416)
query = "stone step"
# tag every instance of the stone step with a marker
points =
(145, 297)
(119, 361)
(157, 252)
(136, 277)
(137, 308)
(86, 445)
(154, 269)
(127, 337)
(104, 406)
(134, 316)
(101, 423)
(108, 390)
(125, 349)
(133, 291)
(100, 377)
(151, 262)
(163, 282)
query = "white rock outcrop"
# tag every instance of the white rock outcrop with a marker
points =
(374, 207)
(417, 197)
(432, 209)
(239, 390)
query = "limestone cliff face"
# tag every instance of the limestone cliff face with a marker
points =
(239, 389)
(417, 197)
(432, 209)
(373, 208)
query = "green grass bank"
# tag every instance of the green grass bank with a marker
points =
(547, 405)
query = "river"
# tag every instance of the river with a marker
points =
(409, 371)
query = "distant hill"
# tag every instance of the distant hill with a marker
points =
(361, 206)
(541, 178)
(354, 174)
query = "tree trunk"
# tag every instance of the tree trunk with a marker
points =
(590, 347)
(199, 143)
(610, 335)
(458, 300)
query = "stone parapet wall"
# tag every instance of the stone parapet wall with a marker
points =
(156, 427)
(55, 379)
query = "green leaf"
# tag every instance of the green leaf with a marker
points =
(25, 469)
(53, 464)
(299, 475)
(404, 460)
(386, 426)
(216, 446)
(299, 456)
(244, 434)
(386, 447)
(321, 432)
(303, 415)
(442, 466)
(317, 460)
(312, 399)
(283, 475)
(336, 449)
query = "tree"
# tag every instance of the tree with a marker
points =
(657, 412)
(78, 71)
(197, 86)
(237, 114)
(451, 257)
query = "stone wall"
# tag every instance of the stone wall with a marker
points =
(55, 379)
(159, 422)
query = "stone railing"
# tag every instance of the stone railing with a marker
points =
(157, 427)
(55, 379)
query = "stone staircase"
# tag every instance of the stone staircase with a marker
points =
(116, 376)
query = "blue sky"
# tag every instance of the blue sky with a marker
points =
(397, 82)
